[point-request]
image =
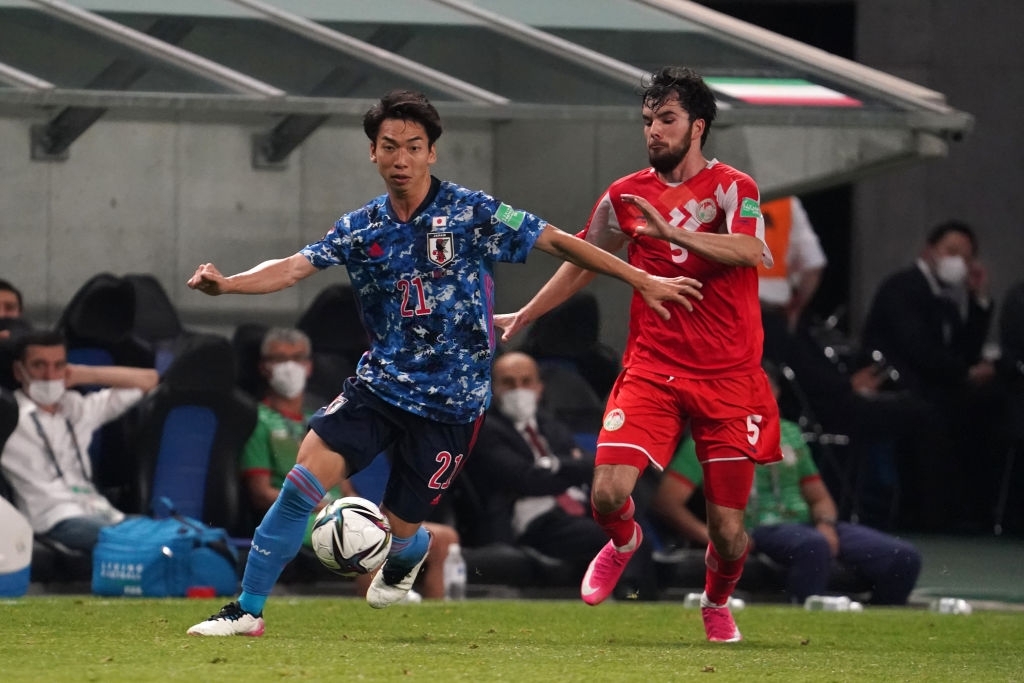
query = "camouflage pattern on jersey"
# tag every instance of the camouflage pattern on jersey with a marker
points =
(426, 293)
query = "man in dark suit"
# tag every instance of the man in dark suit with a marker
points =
(930, 321)
(530, 473)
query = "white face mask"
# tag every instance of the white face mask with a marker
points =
(45, 392)
(288, 378)
(951, 270)
(518, 405)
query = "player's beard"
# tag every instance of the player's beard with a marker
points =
(667, 160)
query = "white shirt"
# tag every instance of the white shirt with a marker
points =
(803, 252)
(529, 508)
(49, 488)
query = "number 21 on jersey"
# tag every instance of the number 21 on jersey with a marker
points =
(414, 301)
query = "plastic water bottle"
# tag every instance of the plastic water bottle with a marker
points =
(830, 603)
(692, 601)
(950, 606)
(454, 574)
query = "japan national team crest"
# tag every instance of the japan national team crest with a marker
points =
(706, 211)
(333, 406)
(440, 248)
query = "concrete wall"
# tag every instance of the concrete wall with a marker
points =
(163, 197)
(142, 195)
(971, 52)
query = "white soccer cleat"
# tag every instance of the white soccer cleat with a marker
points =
(388, 587)
(231, 620)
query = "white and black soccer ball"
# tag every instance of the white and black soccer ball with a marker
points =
(351, 536)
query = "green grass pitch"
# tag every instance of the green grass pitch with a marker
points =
(82, 638)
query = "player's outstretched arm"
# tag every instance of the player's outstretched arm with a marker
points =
(566, 281)
(656, 291)
(731, 249)
(269, 276)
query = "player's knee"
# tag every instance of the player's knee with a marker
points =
(607, 498)
(729, 538)
(326, 465)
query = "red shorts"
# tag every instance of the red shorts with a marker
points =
(731, 419)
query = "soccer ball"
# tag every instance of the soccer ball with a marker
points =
(351, 536)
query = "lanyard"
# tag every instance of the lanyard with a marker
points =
(49, 447)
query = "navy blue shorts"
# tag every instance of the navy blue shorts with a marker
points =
(425, 455)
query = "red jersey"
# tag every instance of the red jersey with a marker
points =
(723, 336)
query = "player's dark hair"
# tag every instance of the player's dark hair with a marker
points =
(694, 94)
(942, 229)
(407, 105)
(6, 286)
(36, 338)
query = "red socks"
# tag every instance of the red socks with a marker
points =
(722, 575)
(619, 525)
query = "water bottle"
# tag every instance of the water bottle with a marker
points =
(692, 600)
(454, 574)
(950, 606)
(828, 603)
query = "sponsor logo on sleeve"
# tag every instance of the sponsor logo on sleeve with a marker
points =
(509, 216)
(750, 208)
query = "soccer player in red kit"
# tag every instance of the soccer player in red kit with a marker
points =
(685, 215)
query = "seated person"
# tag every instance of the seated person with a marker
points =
(12, 323)
(792, 520)
(10, 307)
(281, 424)
(533, 478)
(46, 459)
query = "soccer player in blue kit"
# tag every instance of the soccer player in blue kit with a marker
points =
(420, 259)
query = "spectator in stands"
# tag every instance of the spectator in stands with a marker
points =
(281, 424)
(571, 334)
(577, 368)
(532, 476)
(787, 287)
(930, 321)
(11, 310)
(792, 519)
(10, 300)
(46, 459)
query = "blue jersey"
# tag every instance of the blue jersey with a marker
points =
(426, 295)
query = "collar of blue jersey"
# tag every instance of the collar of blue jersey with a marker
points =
(435, 187)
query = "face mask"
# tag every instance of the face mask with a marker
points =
(518, 405)
(288, 378)
(45, 392)
(951, 270)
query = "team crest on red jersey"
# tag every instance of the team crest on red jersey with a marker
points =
(614, 420)
(706, 211)
(440, 248)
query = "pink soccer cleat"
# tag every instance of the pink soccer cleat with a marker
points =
(606, 569)
(718, 622)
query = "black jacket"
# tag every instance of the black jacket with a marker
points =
(906, 323)
(502, 469)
